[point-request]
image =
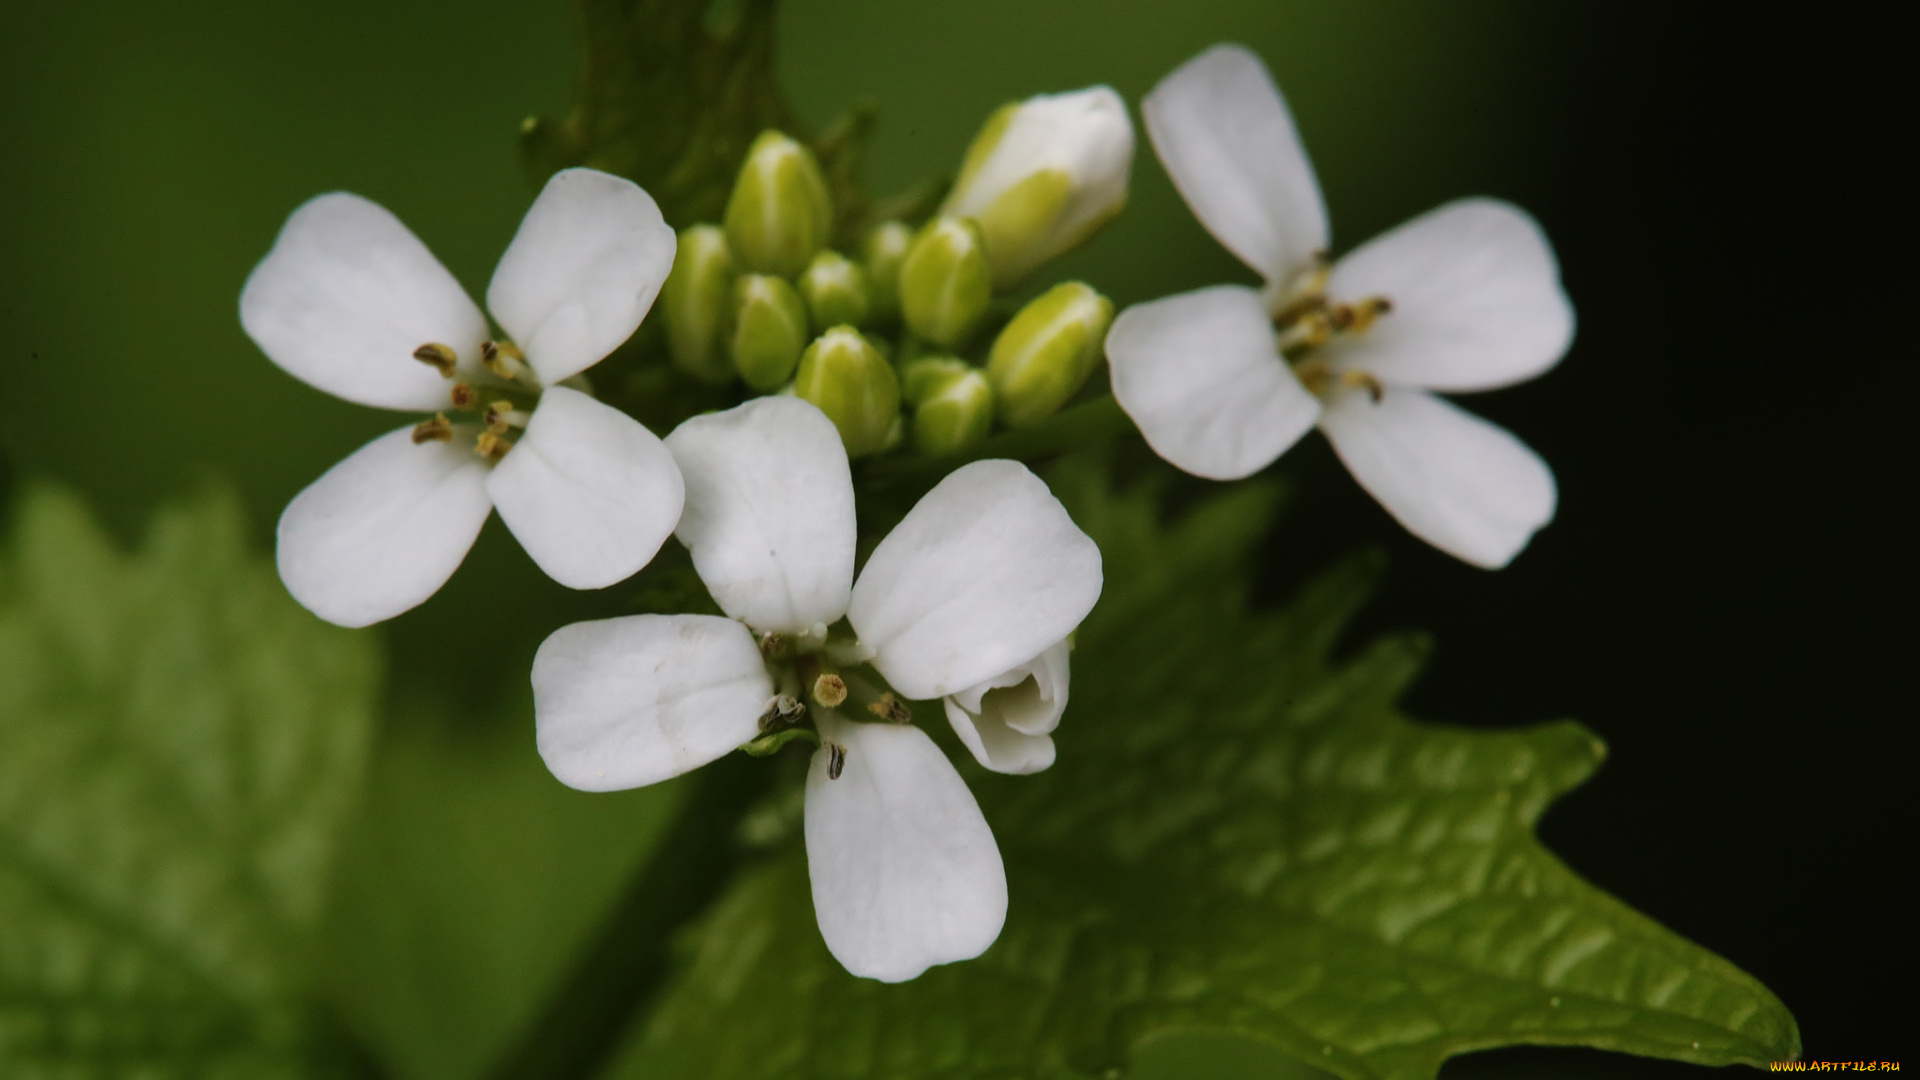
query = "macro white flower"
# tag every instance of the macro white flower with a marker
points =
(969, 599)
(351, 302)
(1043, 175)
(1466, 297)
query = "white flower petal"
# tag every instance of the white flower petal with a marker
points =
(1224, 134)
(582, 271)
(905, 871)
(1005, 720)
(984, 573)
(1476, 300)
(1201, 376)
(620, 703)
(769, 515)
(384, 529)
(1464, 485)
(588, 491)
(345, 297)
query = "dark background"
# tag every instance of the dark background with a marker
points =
(1725, 595)
(1720, 597)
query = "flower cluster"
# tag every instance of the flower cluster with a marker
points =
(970, 603)
(764, 298)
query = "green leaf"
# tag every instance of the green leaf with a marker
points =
(179, 743)
(1242, 835)
(671, 93)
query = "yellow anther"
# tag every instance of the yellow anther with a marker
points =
(499, 417)
(1309, 331)
(463, 395)
(491, 446)
(1364, 381)
(1314, 374)
(829, 690)
(437, 429)
(503, 358)
(891, 709)
(1355, 318)
(441, 357)
(775, 646)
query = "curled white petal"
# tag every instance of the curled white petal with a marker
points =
(582, 271)
(1476, 297)
(620, 703)
(588, 491)
(384, 529)
(1224, 134)
(1464, 485)
(346, 296)
(769, 513)
(1202, 377)
(983, 573)
(1005, 721)
(905, 871)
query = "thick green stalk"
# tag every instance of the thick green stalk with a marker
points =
(622, 967)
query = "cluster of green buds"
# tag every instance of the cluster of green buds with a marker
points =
(764, 298)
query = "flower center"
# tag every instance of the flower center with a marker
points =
(823, 672)
(1305, 321)
(504, 397)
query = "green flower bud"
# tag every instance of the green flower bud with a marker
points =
(695, 297)
(953, 404)
(885, 250)
(854, 385)
(835, 290)
(1047, 351)
(779, 213)
(769, 330)
(1043, 175)
(944, 282)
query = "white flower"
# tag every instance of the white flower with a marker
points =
(353, 303)
(1467, 297)
(975, 588)
(1043, 175)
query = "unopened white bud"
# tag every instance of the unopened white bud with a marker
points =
(1043, 175)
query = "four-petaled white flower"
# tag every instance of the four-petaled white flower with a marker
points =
(970, 598)
(1222, 380)
(353, 303)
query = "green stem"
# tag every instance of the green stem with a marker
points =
(622, 968)
(1085, 424)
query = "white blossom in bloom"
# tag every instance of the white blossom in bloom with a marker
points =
(353, 303)
(1466, 297)
(968, 599)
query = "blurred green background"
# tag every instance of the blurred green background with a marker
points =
(151, 152)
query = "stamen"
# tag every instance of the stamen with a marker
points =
(441, 357)
(891, 709)
(501, 416)
(1355, 318)
(774, 646)
(1311, 330)
(463, 395)
(1365, 381)
(1314, 374)
(437, 429)
(836, 760)
(829, 689)
(783, 711)
(503, 358)
(491, 446)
